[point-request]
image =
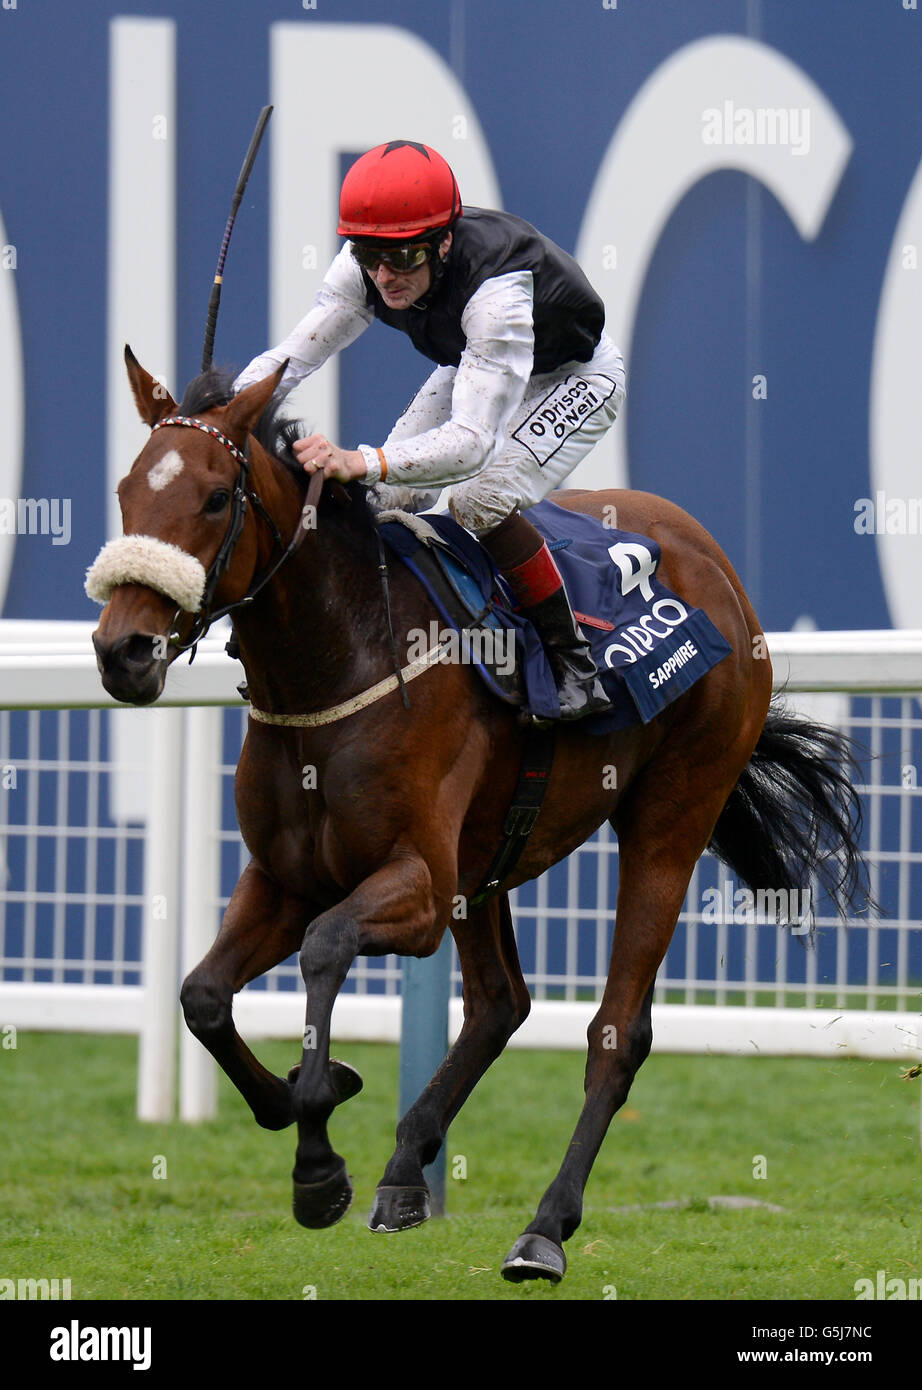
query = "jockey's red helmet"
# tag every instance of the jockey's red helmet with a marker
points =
(400, 191)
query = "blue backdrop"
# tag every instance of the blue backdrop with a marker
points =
(775, 480)
(549, 84)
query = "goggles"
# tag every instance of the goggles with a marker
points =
(406, 257)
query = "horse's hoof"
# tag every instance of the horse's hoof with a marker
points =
(399, 1208)
(534, 1257)
(320, 1204)
(345, 1080)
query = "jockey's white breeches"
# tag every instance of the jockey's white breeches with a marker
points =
(563, 414)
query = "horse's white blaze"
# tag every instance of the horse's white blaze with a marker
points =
(165, 470)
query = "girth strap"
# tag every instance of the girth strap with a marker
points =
(534, 775)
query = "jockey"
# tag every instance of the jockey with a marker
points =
(527, 380)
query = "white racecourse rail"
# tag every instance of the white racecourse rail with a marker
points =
(117, 838)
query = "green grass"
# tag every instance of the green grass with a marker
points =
(840, 1139)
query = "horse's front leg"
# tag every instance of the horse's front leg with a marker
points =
(262, 926)
(496, 1002)
(392, 910)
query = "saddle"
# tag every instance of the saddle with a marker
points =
(649, 647)
(456, 584)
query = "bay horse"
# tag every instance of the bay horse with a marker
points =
(408, 804)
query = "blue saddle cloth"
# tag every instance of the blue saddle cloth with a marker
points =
(648, 645)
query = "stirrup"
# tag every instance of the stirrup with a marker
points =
(539, 587)
(579, 689)
(579, 694)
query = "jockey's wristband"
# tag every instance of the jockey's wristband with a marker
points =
(375, 464)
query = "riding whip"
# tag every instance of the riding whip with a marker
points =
(215, 299)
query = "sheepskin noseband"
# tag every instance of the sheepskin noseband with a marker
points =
(156, 564)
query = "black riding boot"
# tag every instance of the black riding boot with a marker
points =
(578, 686)
(522, 556)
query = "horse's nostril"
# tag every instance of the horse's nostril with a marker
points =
(137, 650)
(142, 649)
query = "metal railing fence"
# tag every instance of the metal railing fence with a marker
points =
(118, 850)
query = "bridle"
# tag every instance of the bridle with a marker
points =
(242, 495)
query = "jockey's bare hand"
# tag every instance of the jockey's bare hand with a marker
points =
(316, 452)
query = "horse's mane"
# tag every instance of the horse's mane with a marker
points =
(276, 432)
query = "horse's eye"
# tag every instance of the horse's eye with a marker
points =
(217, 501)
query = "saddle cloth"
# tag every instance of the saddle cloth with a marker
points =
(648, 645)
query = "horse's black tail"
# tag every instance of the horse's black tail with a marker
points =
(794, 813)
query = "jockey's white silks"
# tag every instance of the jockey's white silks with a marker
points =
(145, 560)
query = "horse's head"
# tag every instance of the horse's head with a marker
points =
(186, 546)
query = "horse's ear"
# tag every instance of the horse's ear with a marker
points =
(245, 409)
(153, 400)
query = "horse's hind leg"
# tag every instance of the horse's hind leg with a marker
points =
(496, 1002)
(659, 843)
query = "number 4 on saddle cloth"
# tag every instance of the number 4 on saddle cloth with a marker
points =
(648, 645)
